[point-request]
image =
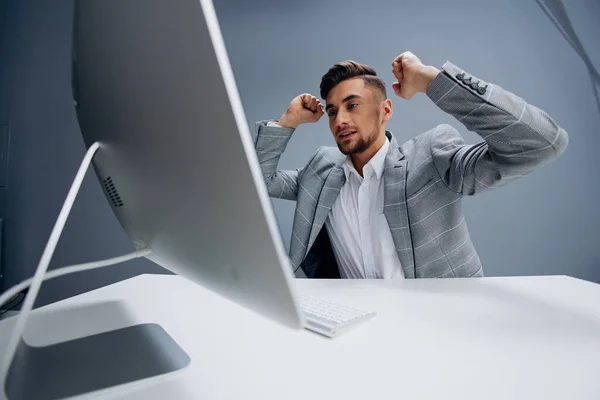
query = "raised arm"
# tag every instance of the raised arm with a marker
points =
(519, 137)
(272, 139)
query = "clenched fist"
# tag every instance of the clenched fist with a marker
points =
(304, 108)
(412, 75)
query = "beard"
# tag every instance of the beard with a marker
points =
(358, 146)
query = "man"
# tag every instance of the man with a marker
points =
(376, 209)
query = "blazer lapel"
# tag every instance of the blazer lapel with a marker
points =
(329, 193)
(395, 207)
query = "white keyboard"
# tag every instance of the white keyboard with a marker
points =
(330, 319)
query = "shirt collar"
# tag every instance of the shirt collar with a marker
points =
(377, 162)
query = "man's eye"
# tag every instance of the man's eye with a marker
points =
(353, 105)
(332, 113)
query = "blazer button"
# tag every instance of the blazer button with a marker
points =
(467, 81)
(481, 90)
(475, 85)
(460, 76)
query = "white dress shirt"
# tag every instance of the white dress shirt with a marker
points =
(359, 233)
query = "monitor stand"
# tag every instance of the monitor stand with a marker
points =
(89, 363)
(93, 363)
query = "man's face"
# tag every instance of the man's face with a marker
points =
(355, 115)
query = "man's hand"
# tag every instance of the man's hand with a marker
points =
(413, 77)
(304, 108)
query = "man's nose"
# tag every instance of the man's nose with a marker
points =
(341, 119)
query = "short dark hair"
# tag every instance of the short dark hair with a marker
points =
(350, 69)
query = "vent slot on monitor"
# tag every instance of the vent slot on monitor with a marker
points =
(111, 192)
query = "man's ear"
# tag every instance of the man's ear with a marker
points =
(388, 110)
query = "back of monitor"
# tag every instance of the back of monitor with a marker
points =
(153, 85)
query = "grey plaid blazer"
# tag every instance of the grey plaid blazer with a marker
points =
(425, 178)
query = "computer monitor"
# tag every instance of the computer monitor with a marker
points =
(152, 83)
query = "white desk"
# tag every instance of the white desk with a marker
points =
(490, 338)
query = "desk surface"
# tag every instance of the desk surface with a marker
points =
(493, 338)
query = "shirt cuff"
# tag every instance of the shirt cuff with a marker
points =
(273, 123)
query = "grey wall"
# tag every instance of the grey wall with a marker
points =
(546, 223)
(3, 120)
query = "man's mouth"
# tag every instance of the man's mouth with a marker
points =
(345, 134)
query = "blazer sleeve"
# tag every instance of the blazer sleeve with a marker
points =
(518, 137)
(270, 143)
